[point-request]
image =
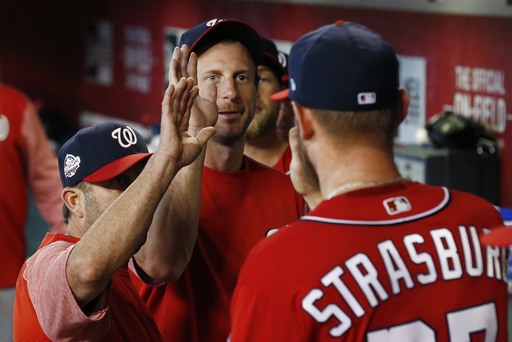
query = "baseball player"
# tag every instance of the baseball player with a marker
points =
(382, 258)
(262, 141)
(76, 286)
(240, 198)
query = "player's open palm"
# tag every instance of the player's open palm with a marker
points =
(204, 111)
(175, 139)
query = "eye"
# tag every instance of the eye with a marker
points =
(211, 78)
(264, 79)
(243, 78)
(122, 181)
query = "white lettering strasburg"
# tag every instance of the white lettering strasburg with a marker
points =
(453, 263)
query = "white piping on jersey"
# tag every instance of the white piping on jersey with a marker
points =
(429, 212)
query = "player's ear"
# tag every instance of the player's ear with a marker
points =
(73, 198)
(303, 120)
(403, 104)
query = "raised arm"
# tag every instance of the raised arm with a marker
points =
(173, 232)
(122, 227)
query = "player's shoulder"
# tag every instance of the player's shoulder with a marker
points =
(423, 192)
(468, 196)
(470, 202)
(457, 203)
(8, 91)
(260, 170)
(283, 242)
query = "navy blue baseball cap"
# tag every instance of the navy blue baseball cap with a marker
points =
(208, 33)
(342, 66)
(100, 152)
(283, 59)
(274, 59)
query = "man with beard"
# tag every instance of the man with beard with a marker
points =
(240, 198)
(382, 258)
(262, 141)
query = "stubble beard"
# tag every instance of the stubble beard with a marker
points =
(262, 123)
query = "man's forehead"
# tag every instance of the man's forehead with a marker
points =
(264, 68)
(225, 52)
(217, 68)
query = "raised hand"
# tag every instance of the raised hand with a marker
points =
(304, 178)
(175, 139)
(204, 110)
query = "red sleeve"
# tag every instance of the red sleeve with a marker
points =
(42, 170)
(56, 308)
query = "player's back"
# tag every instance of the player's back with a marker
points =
(395, 263)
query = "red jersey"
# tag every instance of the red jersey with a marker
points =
(45, 308)
(27, 163)
(283, 164)
(237, 209)
(400, 262)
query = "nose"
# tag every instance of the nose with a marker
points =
(227, 89)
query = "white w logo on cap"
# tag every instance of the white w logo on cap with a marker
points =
(126, 136)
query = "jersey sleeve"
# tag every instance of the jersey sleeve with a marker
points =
(57, 311)
(42, 170)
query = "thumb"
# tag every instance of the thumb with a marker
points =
(205, 134)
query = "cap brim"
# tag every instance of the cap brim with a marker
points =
(116, 167)
(499, 236)
(280, 96)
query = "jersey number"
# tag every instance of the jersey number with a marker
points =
(461, 324)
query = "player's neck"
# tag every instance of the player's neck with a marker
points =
(355, 169)
(224, 157)
(265, 149)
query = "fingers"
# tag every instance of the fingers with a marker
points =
(180, 65)
(184, 60)
(178, 101)
(183, 98)
(204, 112)
(187, 103)
(174, 67)
(186, 97)
(293, 139)
(169, 92)
(192, 66)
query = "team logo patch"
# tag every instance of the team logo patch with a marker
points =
(125, 136)
(214, 22)
(4, 127)
(366, 98)
(397, 205)
(282, 58)
(71, 164)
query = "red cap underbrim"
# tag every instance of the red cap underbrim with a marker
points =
(116, 167)
(499, 236)
(280, 96)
